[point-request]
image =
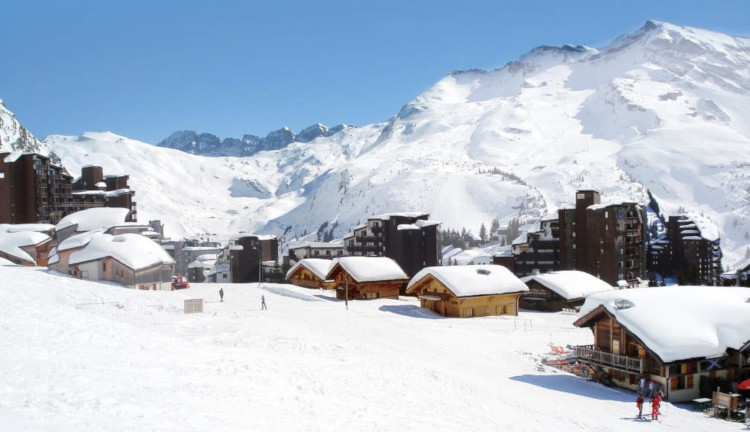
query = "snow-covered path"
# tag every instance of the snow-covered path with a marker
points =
(135, 361)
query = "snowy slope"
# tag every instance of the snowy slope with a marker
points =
(85, 356)
(13, 136)
(663, 109)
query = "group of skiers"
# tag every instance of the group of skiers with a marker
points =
(655, 403)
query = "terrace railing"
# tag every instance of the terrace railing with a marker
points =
(629, 364)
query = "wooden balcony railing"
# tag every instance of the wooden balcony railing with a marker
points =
(629, 364)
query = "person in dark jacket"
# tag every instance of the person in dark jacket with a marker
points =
(221, 294)
(263, 302)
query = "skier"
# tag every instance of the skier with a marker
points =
(655, 407)
(639, 402)
(221, 294)
(263, 302)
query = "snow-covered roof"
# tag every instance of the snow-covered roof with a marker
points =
(13, 156)
(467, 281)
(35, 227)
(219, 268)
(336, 244)
(408, 227)
(4, 261)
(680, 322)
(387, 216)
(468, 256)
(370, 269)
(425, 223)
(318, 266)
(708, 230)
(12, 242)
(133, 250)
(76, 241)
(570, 284)
(610, 204)
(101, 184)
(94, 218)
(203, 263)
(742, 265)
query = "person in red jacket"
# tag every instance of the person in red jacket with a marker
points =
(639, 402)
(655, 407)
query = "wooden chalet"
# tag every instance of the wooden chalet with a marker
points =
(359, 277)
(311, 273)
(687, 340)
(558, 290)
(467, 291)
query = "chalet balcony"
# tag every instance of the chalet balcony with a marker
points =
(588, 354)
(376, 229)
(365, 239)
(363, 248)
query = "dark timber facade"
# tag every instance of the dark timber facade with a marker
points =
(410, 239)
(607, 241)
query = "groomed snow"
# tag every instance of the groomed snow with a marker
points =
(474, 280)
(681, 322)
(318, 266)
(571, 284)
(133, 250)
(94, 218)
(86, 356)
(370, 269)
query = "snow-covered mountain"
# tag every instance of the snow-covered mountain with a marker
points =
(13, 136)
(207, 144)
(663, 109)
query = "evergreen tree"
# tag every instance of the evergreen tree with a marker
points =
(494, 226)
(483, 233)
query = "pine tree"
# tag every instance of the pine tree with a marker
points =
(483, 233)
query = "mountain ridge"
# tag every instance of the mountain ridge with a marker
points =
(661, 110)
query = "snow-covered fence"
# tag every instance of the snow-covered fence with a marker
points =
(522, 324)
(194, 306)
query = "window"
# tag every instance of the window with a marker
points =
(104, 266)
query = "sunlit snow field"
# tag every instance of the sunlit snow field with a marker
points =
(78, 355)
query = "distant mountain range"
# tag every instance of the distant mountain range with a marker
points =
(661, 110)
(207, 144)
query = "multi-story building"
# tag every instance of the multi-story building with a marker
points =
(94, 189)
(33, 189)
(605, 240)
(690, 252)
(185, 252)
(302, 250)
(541, 251)
(410, 239)
(244, 258)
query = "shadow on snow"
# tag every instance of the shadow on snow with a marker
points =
(574, 385)
(411, 311)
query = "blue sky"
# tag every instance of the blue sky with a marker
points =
(144, 69)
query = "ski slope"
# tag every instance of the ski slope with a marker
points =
(87, 356)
